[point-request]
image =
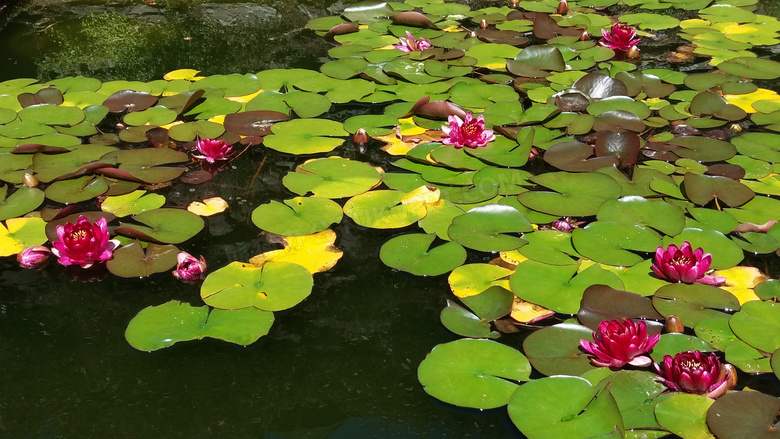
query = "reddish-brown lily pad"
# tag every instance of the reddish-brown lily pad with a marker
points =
(701, 189)
(129, 100)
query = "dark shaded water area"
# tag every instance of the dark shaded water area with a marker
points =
(342, 364)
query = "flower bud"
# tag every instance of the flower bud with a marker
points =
(29, 180)
(483, 24)
(633, 53)
(563, 7)
(34, 257)
(514, 3)
(674, 325)
(735, 128)
(189, 269)
(729, 369)
(585, 36)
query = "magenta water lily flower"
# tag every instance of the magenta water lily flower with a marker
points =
(684, 265)
(620, 37)
(212, 150)
(189, 269)
(616, 344)
(409, 44)
(566, 224)
(694, 372)
(471, 132)
(83, 243)
(34, 257)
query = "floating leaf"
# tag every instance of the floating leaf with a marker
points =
(465, 323)
(384, 210)
(758, 324)
(744, 414)
(472, 279)
(161, 326)
(412, 253)
(132, 261)
(133, 203)
(22, 201)
(482, 372)
(298, 216)
(488, 228)
(273, 287)
(694, 303)
(209, 206)
(685, 415)
(316, 252)
(332, 177)
(164, 225)
(19, 233)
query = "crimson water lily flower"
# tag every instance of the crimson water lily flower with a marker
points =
(620, 343)
(83, 243)
(409, 44)
(34, 257)
(189, 269)
(694, 372)
(566, 224)
(621, 37)
(684, 265)
(471, 132)
(212, 150)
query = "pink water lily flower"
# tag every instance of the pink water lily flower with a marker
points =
(83, 243)
(188, 268)
(694, 372)
(471, 132)
(684, 265)
(212, 150)
(621, 37)
(34, 257)
(409, 44)
(616, 344)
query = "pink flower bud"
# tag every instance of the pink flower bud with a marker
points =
(34, 257)
(189, 269)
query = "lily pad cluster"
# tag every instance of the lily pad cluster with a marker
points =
(598, 160)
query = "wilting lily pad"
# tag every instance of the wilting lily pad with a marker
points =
(132, 261)
(559, 288)
(273, 287)
(164, 225)
(564, 407)
(490, 228)
(412, 253)
(694, 303)
(158, 327)
(298, 216)
(473, 373)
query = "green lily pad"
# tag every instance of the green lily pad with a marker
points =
(758, 324)
(491, 304)
(77, 190)
(747, 358)
(489, 228)
(473, 279)
(685, 415)
(564, 407)
(612, 243)
(384, 210)
(412, 253)
(132, 203)
(761, 146)
(50, 167)
(161, 326)
(635, 392)
(483, 372)
(576, 194)
(22, 201)
(298, 216)
(701, 189)
(753, 68)
(768, 290)
(672, 344)
(167, 225)
(151, 116)
(19, 233)
(694, 303)
(273, 287)
(759, 210)
(465, 323)
(666, 218)
(189, 131)
(716, 332)
(332, 177)
(559, 288)
(132, 261)
(549, 247)
(52, 114)
(703, 149)
(305, 136)
(147, 164)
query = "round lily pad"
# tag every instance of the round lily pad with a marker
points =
(744, 414)
(384, 210)
(664, 217)
(306, 136)
(753, 68)
(725, 253)
(161, 326)
(575, 194)
(133, 260)
(132, 203)
(684, 414)
(298, 216)
(332, 177)
(465, 323)
(694, 303)
(490, 228)
(273, 287)
(564, 407)
(555, 350)
(22, 201)
(701, 189)
(77, 190)
(164, 225)
(412, 253)
(473, 373)
(19, 233)
(472, 279)
(758, 324)
(614, 243)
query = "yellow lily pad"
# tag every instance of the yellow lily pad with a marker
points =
(316, 252)
(19, 233)
(746, 101)
(209, 206)
(527, 312)
(740, 281)
(186, 74)
(472, 279)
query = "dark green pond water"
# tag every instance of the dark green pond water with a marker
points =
(340, 365)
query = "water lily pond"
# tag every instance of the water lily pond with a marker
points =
(507, 219)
